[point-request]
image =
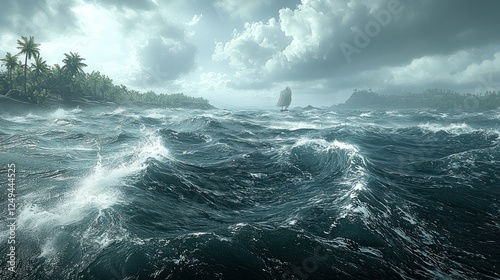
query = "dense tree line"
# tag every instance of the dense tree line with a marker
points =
(431, 98)
(38, 82)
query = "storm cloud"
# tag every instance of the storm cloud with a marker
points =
(45, 17)
(236, 50)
(142, 5)
(166, 59)
(328, 39)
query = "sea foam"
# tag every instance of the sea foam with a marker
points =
(100, 189)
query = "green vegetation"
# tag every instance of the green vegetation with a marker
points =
(30, 49)
(431, 98)
(39, 82)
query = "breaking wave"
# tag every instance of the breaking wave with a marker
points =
(178, 194)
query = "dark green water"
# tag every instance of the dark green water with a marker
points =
(127, 193)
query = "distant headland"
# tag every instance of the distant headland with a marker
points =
(43, 85)
(429, 99)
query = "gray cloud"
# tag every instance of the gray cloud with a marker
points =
(141, 5)
(166, 54)
(338, 40)
(37, 18)
(162, 48)
(314, 46)
(253, 10)
(433, 28)
(165, 59)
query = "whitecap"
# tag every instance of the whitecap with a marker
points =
(118, 111)
(453, 128)
(292, 126)
(236, 227)
(372, 251)
(76, 110)
(48, 248)
(402, 234)
(98, 190)
(59, 114)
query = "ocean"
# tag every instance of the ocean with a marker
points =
(144, 193)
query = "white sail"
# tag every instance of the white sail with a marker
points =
(285, 98)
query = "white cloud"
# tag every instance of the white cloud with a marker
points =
(240, 9)
(213, 81)
(140, 49)
(485, 67)
(312, 28)
(253, 48)
(250, 50)
(277, 48)
(302, 44)
(458, 68)
(101, 47)
(195, 20)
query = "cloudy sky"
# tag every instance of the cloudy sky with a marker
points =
(241, 54)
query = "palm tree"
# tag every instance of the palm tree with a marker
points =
(73, 64)
(10, 62)
(54, 77)
(30, 48)
(73, 67)
(40, 66)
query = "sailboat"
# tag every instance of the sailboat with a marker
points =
(285, 99)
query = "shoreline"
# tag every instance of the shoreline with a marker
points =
(12, 105)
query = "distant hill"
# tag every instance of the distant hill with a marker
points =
(309, 107)
(432, 98)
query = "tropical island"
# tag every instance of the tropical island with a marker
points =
(430, 99)
(39, 83)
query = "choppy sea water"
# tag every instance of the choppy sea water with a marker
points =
(124, 193)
